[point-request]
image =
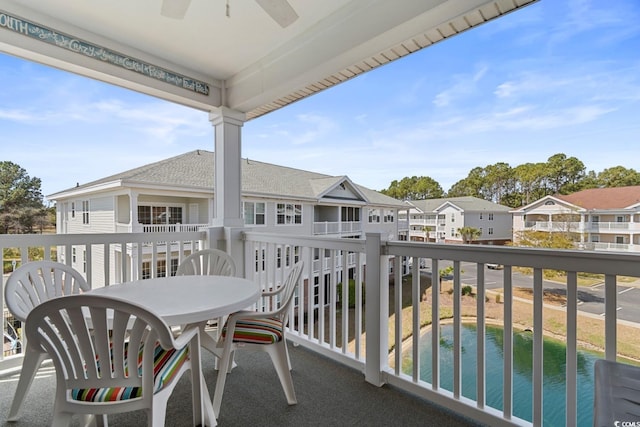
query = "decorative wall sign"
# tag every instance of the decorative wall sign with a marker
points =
(74, 44)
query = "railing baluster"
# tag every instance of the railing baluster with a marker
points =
(537, 346)
(457, 325)
(480, 327)
(572, 358)
(507, 333)
(610, 319)
(415, 300)
(435, 325)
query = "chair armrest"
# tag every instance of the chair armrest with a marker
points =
(186, 336)
(271, 293)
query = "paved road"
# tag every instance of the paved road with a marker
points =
(590, 298)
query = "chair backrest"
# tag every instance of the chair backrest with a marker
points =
(279, 300)
(207, 262)
(38, 281)
(96, 341)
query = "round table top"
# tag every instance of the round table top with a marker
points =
(181, 300)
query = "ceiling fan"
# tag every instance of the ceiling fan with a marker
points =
(279, 10)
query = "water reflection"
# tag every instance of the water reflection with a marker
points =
(554, 372)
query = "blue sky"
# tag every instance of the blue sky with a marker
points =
(561, 76)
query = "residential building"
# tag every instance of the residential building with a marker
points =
(438, 220)
(177, 194)
(603, 219)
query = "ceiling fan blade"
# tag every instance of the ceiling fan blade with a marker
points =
(174, 9)
(279, 10)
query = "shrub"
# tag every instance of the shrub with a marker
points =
(467, 290)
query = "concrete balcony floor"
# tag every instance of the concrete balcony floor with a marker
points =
(328, 393)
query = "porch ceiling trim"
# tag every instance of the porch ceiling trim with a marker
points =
(347, 38)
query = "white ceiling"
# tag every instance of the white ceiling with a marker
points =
(249, 63)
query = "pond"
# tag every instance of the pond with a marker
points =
(554, 361)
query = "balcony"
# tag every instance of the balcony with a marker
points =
(582, 227)
(338, 340)
(337, 228)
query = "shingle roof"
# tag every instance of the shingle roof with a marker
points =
(467, 204)
(604, 198)
(195, 170)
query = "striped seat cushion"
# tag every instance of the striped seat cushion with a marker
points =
(258, 331)
(166, 364)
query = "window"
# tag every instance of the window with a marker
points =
(480, 215)
(174, 266)
(175, 215)
(84, 261)
(144, 214)
(278, 257)
(453, 217)
(146, 270)
(73, 209)
(73, 255)
(296, 254)
(85, 212)
(287, 256)
(148, 214)
(388, 216)
(161, 268)
(374, 216)
(490, 217)
(254, 213)
(288, 213)
(350, 214)
(490, 230)
(595, 238)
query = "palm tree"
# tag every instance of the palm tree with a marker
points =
(426, 230)
(469, 234)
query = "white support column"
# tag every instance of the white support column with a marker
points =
(377, 316)
(227, 179)
(133, 201)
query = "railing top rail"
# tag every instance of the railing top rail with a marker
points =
(624, 264)
(10, 240)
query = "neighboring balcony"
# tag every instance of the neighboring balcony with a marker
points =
(337, 228)
(356, 326)
(159, 228)
(582, 227)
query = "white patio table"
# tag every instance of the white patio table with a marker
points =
(185, 300)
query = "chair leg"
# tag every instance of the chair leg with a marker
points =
(280, 359)
(30, 365)
(225, 363)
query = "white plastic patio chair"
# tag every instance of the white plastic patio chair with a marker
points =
(261, 331)
(113, 356)
(28, 286)
(208, 262)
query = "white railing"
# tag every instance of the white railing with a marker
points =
(582, 227)
(325, 323)
(614, 226)
(339, 228)
(331, 318)
(103, 259)
(168, 228)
